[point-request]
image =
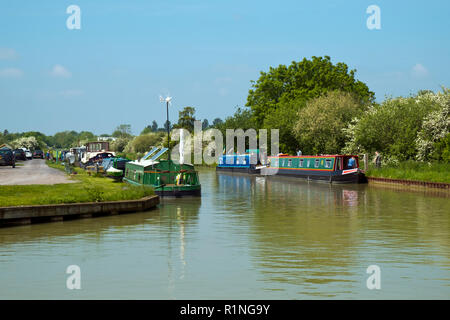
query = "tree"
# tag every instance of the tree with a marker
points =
(186, 119)
(391, 127)
(433, 140)
(217, 122)
(30, 143)
(154, 126)
(300, 82)
(65, 139)
(242, 119)
(146, 130)
(167, 126)
(143, 143)
(119, 144)
(319, 125)
(122, 131)
(205, 124)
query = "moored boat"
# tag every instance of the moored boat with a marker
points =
(240, 163)
(328, 168)
(167, 177)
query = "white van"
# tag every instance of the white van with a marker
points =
(28, 153)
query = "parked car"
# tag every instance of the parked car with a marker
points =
(38, 154)
(7, 157)
(19, 154)
(28, 153)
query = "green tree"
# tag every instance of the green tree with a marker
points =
(65, 139)
(147, 129)
(319, 125)
(391, 127)
(186, 119)
(122, 131)
(154, 126)
(433, 139)
(205, 124)
(300, 82)
(217, 122)
(143, 143)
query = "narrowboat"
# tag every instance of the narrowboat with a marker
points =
(240, 163)
(114, 167)
(328, 168)
(167, 177)
(96, 151)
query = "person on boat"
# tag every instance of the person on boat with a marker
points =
(377, 160)
(351, 163)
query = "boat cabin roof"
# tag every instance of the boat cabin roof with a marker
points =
(317, 156)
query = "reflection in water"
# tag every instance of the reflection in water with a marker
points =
(246, 238)
(309, 235)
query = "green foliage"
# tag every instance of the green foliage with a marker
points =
(217, 122)
(205, 124)
(30, 143)
(413, 170)
(242, 119)
(147, 129)
(432, 139)
(441, 150)
(143, 143)
(119, 144)
(318, 127)
(302, 80)
(65, 139)
(186, 119)
(284, 118)
(122, 131)
(391, 127)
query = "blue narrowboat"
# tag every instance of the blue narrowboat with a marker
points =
(241, 163)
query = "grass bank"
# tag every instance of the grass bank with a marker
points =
(89, 189)
(414, 170)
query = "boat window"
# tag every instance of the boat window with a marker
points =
(316, 164)
(308, 163)
(328, 163)
(289, 162)
(301, 163)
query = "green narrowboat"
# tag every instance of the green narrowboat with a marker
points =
(329, 168)
(167, 177)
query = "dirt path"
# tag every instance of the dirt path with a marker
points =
(32, 172)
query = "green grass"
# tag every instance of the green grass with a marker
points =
(88, 189)
(414, 170)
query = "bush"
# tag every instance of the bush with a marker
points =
(392, 127)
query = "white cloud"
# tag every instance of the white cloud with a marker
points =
(419, 71)
(11, 73)
(60, 72)
(8, 54)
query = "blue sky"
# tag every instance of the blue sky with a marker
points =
(203, 53)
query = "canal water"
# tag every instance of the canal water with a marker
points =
(245, 238)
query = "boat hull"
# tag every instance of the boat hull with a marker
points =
(330, 177)
(176, 191)
(247, 170)
(194, 191)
